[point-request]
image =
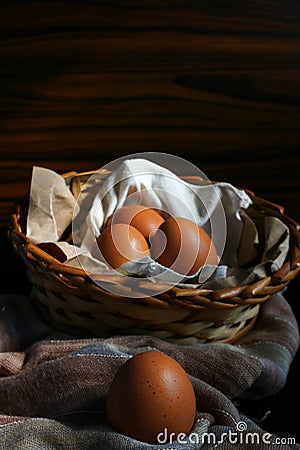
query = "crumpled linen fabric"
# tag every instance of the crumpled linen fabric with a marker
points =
(53, 386)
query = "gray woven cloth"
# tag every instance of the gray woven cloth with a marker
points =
(53, 386)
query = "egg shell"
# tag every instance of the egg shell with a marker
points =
(120, 243)
(151, 392)
(183, 245)
(142, 218)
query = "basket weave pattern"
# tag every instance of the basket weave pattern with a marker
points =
(70, 300)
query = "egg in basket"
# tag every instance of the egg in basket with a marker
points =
(136, 248)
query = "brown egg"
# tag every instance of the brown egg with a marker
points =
(120, 243)
(151, 394)
(142, 218)
(183, 246)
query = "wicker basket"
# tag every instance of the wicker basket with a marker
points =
(71, 301)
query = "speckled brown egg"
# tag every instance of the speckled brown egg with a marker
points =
(120, 243)
(183, 246)
(151, 394)
(142, 218)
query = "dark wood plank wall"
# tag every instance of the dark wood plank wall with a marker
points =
(214, 81)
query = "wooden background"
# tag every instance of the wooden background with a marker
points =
(216, 82)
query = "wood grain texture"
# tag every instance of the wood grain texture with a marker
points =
(216, 82)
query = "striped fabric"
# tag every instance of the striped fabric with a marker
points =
(53, 386)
